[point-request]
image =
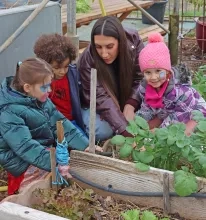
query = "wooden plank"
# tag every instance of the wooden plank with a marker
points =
(147, 29)
(12, 211)
(146, 32)
(92, 119)
(124, 15)
(112, 8)
(122, 175)
(166, 195)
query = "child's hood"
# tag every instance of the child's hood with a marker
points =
(182, 74)
(7, 99)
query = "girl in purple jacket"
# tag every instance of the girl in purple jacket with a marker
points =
(165, 93)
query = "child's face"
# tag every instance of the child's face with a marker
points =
(40, 91)
(60, 70)
(155, 77)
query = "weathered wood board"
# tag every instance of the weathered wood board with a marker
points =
(12, 211)
(109, 173)
(122, 175)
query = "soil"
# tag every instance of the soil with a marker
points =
(3, 182)
(191, 54)
(103, 208)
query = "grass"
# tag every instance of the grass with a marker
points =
(187, 13)
(82, 6)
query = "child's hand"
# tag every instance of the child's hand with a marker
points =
(129, 112)
(97, 148)
(190, 126)
(64, 171)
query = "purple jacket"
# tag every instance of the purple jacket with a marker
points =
(107, 105)
(179, 99)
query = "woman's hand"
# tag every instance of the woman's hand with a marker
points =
(128, 112)
(97, 148)
(190, 126)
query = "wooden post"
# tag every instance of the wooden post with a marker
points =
(60, 131)
(71, 24)
(166, 194)
(60, 138)
(92, 121)
(174, 32)
(53, 167)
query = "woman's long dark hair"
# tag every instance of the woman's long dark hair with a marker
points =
(111, 26)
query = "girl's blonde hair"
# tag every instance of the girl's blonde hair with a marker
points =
(31, 71)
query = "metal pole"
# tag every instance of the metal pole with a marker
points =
(71, 23)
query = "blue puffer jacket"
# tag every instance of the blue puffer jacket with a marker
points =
(28, 129)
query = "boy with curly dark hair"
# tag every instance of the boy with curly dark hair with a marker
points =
(59, 52)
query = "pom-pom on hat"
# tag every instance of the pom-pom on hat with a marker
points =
(155, 54)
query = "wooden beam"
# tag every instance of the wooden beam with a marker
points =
(12, 211)
(124, 15)
(111, 7)
(109, 173)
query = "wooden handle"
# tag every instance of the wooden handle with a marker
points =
(53, 167)
(92, 123)
(60, 138)
(60, 131)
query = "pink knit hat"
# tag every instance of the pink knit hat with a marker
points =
(155, 54)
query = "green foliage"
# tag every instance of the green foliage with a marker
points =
(183, 179)
(131, 214)
(135, 214)
(199, 81)
(168, 148)
(82, 6)
(142, 167)
(197, 3)
(148, 215)
(118, 140)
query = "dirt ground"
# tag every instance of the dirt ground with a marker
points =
(191, 54)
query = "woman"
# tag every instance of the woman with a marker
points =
(114, 52)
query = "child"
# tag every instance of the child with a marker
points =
(165, 97)
(28, 123)
(59, 52)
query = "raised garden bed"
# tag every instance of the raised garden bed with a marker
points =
(121, 180)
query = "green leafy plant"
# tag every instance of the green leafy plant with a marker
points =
(135, 214)
(199, 81)
(131, 214)
(82, 6)
(167, 148)
(197, 3)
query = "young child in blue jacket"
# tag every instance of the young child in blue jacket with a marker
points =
(28, 123)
